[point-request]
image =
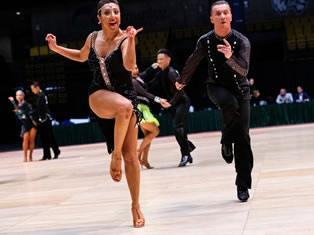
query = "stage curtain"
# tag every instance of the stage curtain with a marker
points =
(201, 121)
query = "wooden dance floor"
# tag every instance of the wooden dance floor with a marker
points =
(75, 194)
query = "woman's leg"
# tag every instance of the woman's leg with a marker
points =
(132, 171)
(32, 136)
(150, 131)
(140, 152)
(25, 144)
(145, 157)
(107, 104)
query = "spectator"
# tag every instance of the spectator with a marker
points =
(284, 97)
(256, 99)
(301, 95)
(252, 86)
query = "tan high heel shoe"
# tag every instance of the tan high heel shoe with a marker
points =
(115, 167)
(138, 217)
(146, 164)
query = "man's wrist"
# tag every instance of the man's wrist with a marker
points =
(157, 99)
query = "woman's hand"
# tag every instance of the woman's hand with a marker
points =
(52, 41)
(131, 32)
(11, 98)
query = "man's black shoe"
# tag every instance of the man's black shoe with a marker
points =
(191, 146)
(184, 160)
(227, 152)
(45, 158)
(243, 193)
(57, 155)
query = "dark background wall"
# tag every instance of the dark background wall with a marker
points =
(273, 64)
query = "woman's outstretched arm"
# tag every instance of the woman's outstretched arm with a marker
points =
(72, 54)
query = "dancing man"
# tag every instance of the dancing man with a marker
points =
(178, 102)
(228, 53)
(44, 123)
(111, 56)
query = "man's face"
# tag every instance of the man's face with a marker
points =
(251, 81)
(221, 16)
(283, 92)
(35, 89)
(163, 61)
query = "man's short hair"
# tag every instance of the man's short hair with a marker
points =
(35, 84)
(220, 2)
(164, 51)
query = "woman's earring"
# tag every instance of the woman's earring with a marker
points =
(98, 22)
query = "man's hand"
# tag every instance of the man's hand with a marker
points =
(155, 65)
(225, 49)
(179, 86)
(164, 103)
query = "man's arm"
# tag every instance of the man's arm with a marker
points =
(192, 63)
(149, 72)
(174, 76)
(155, 82)
(240, 62)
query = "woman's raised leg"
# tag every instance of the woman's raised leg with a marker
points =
(107, 104)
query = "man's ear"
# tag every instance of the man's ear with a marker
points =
(211, 19)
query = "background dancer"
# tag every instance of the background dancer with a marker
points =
(178, 102)
(149, 124)
(111, 55)
(228, 55)
(23, 111)
(43, 115)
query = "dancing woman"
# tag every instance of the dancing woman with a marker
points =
(111, 56)
(149, 124)
(23, 111)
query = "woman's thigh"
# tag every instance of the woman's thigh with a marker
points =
(149, 127)
(107, 104)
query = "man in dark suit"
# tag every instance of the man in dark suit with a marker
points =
(44, 120)
(301, 96)
(178, 103)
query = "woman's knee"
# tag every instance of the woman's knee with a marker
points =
(26, 136)
(130, 159)
(125, 109)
